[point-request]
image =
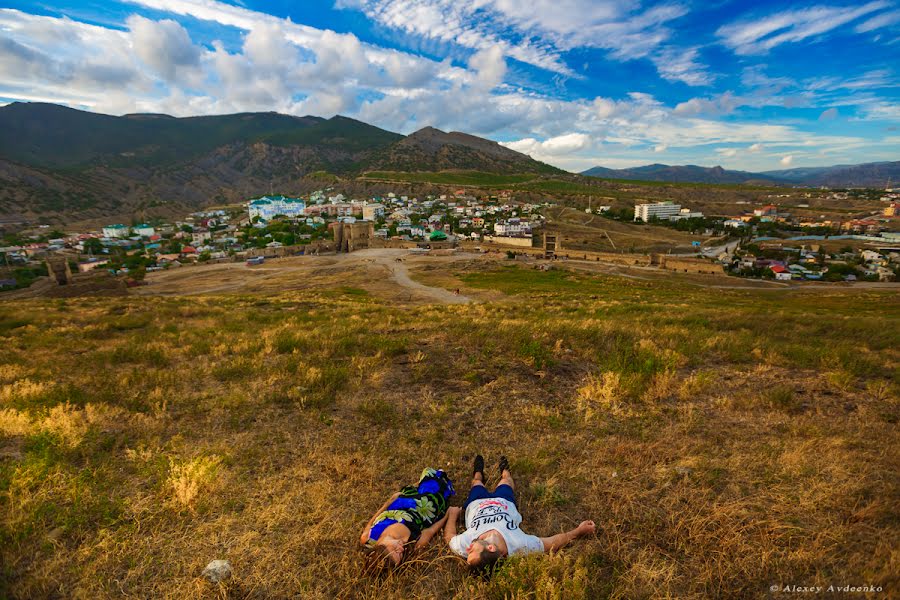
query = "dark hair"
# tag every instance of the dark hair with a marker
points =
(378, 560)
(489, 560)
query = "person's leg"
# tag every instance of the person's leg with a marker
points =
(478, 490)
(506, 477)
(506, 486)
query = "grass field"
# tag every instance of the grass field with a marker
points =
(723, 442)
(580, 231)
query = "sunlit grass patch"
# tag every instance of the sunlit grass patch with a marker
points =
(188, 479)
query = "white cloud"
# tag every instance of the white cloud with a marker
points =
(559, 145)
(164, 46)
(755, 148)
(828, 114)
(786, 160)
(727, 152)
(545, 29)
(761, 35)
(720, 105)
(660, 148)
(489, 65)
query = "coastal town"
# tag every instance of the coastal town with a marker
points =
(761, 242)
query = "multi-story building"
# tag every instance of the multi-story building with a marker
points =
(513, 228)
(661, 210)
(269, 207)
(372, 212)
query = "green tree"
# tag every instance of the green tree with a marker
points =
(93, 246)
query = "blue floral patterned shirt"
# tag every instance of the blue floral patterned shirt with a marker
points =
(418, 507)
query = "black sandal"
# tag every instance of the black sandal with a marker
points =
(478, 467)
(504, 465)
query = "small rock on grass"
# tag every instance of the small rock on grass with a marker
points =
(217, 570)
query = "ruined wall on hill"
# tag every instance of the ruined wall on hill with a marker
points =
(681, 264)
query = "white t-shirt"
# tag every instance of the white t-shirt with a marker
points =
(502, 515)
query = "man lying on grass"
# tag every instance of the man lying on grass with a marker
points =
(492, 523)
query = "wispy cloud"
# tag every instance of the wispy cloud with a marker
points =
(885, 19)
(540, 32)
(758, 36)
(675, 64)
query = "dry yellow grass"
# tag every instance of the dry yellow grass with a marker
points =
(144, 437)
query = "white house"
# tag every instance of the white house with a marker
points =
(143, 230)
(200, 236)
(871, 256)
(115, 231)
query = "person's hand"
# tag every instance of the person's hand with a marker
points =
(586, 528)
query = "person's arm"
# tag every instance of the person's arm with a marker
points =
(426, 535)
(450, 527)
(364, 535)
(555, 542)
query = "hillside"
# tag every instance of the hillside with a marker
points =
(59, 163)
(431, 149)
(723, 442)
(864, 175)
(48, 135)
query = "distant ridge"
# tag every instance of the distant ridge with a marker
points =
(863, 175)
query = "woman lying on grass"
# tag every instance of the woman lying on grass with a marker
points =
(414, 514)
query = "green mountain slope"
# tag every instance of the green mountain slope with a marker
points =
(431, 149)
(64, 163)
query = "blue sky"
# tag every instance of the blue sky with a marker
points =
(576, 83)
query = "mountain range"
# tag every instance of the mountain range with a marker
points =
(61, 162)
(864, 175)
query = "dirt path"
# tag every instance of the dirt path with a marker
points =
(400, 274)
